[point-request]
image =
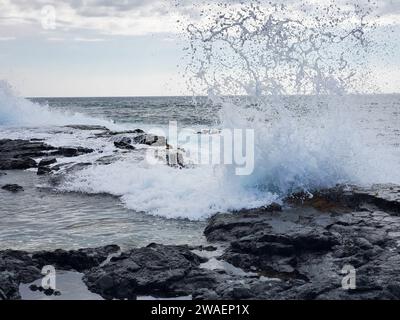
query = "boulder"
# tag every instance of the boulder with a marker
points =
(156, 270)
(12, 187)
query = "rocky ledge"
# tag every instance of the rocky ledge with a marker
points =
(301, 250)
(21, 154)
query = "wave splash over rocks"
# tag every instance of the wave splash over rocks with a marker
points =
(289, 73)
(287, 78)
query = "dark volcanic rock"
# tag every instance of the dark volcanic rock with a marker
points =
(150, 140)
(78, 260)
(18, 267)
(136, 131)
(8, 287)
(20, 154)
(43, 170)
(23, 148)
(17, 163)
(72, 151)
(47, 162)
(124, 143)
(306, 248)
(87, 127)
(12, 187)
(156, 269)
(385, 197)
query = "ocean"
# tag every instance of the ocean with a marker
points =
(132, 203)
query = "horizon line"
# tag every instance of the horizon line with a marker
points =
(190, 96)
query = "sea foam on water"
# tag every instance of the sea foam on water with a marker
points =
(287, 73)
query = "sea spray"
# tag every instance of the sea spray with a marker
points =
(282, 72)
(18, 111)
(286, 72)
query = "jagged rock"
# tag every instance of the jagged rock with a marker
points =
(72, 151)
(385, 197)
(124, 143)
(150, 140)
(156, 269)
(47, 162)
(8, 287)
(307, 248)
(17, 163)
(43, 170)
(136, 131)
(12, 187)
(87, 127)
(18, 267)
(78, 260)
(17, 149)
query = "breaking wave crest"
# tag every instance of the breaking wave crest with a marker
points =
(18, 111)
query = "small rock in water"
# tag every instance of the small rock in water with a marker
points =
(72, 152)
(43, 170)
(47, 162)
(124, 143)
(34, 287)
(87, 127)
(12, 188)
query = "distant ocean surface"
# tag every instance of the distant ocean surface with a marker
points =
(188, 111)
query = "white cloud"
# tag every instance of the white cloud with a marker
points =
(7, 38)
(81, 39)
(136, 17)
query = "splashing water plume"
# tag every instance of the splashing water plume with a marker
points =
(252, 58)
(18, 111)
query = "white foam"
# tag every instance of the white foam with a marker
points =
(161, 190)
(17, 111)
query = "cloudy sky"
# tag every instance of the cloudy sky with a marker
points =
(119, 48)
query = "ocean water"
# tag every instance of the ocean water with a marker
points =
(286, 79)
(132, 203)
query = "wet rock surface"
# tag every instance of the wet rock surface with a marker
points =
(20, 154)
(156, 269)
(301, 250)
(306, 249)
(12, 188)
(18, 267)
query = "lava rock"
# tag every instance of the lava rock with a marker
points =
(87, 127)
(43, 170)
(124, 143)
(70, 152)
(47, 162)
(150, 140)
(156, 269)
(78, 260)
(17, 164)
(12, 187)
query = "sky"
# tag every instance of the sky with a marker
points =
(122, 48)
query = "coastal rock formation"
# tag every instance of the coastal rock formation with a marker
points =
(20, 154)
(307, 249)
(303, 250)
(156, 269)
(18, 267)
(12, 187)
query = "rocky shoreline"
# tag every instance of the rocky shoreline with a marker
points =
(297, 250)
